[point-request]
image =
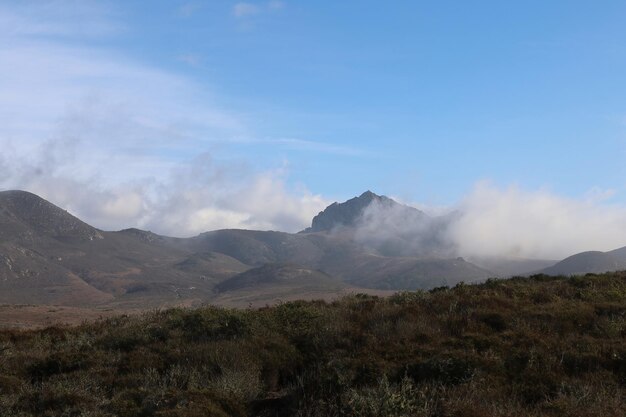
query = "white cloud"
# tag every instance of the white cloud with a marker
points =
(246, 9)
(539, 224)
(276, 4)
(270, 203)
(243, 9)
(598, 195)
(188, 9)
(397, 229)
(206, 196)
(190, 198)
(59, 18)
(498, 222)
(306, 145)
(190, 59)
(122, 144)
(51, 89)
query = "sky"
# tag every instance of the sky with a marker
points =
(187, 116)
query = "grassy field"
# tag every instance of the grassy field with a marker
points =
(537, 346)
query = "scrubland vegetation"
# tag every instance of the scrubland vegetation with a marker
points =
(537, 346)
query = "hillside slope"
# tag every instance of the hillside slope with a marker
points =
(530, 347)
(589, 262)
(48, 256)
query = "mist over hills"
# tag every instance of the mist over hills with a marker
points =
(370, 242)
(351, 213)
(387, 227)
(589, 262)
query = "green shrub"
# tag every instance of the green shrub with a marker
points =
(391, 400)
(540, 346)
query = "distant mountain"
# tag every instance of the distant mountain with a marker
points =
(32, 232)
(219, 266)
(370, 243)
(351, 212)
(48, 256)
(278, 282)
(511, 266)
(406, 273)
(24, 215)
(340, 257)
(589, 262)
(385, 227)
(279, 276)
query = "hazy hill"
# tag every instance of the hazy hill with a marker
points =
(405, 273)
(589, 262)
(341, 257)
(505, 267)
(529, 347)
(48, 256)
(278, 274)
(271, 283)
(24, 215)
(33, 244)
(219, 265)
(386, 227)
(350, 213)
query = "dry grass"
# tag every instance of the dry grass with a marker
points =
(522, 347)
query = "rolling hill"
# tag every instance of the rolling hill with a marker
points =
(48, 256)
(589, 262)
(370, 242)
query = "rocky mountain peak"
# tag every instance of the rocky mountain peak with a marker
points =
(349, 212)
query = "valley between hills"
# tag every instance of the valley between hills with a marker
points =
(386, 330)
(521, 347)
(56, 268)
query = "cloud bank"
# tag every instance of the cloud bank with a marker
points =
(123, 144)
(492, 222)
(397, 229)
(535, 224)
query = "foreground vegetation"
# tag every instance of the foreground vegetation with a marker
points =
(539, 346)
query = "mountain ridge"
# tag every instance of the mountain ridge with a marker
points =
(40, 216)
(48, 256)
(589, 262)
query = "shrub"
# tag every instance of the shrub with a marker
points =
(496, 349)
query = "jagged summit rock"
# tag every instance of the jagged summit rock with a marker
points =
(342, 214)
(350, 212)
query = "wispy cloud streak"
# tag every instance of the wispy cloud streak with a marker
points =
(121, 143)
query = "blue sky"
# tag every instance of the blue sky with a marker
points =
(431, 96)
(149, 108)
